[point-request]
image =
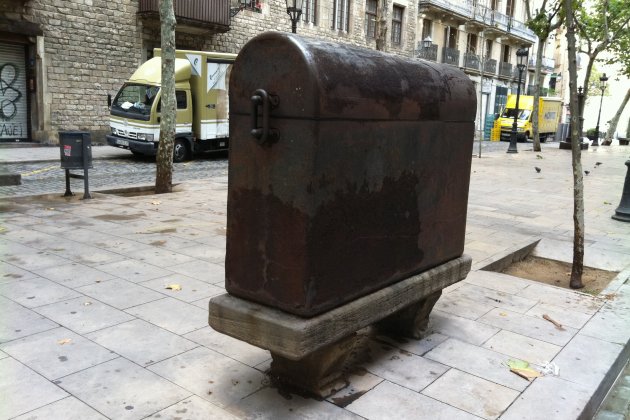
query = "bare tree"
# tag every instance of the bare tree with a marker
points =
(578, 183)
(615, 120)
(381, 26)
(164, 159)
(543, 22)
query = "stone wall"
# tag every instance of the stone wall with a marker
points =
(90, 47)
(248, 23)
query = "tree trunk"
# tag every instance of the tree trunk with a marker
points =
(536, 111)
(381, 26)
(576, 154)
(613, 123)
(164, 159)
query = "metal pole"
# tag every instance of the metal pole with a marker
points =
(293, 25)
(599, 114)
(512, 148)
(68, 193)
(86, 184)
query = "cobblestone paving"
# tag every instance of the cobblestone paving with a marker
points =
(48, 177)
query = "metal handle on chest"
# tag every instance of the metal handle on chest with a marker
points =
(265, 134)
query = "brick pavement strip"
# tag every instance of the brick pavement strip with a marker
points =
(89, 328)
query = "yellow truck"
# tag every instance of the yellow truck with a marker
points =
(201, 91)
(549, 111)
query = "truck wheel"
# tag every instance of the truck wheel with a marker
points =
(180, 151)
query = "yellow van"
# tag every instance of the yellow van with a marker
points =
(549, 111)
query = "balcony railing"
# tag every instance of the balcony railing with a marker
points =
(204, 14)
(429, 53)
(463, 7)
(547, 64)
(450, 56)
(483, 14)
(505, 69)
(468, 10)
(471, 61)
(490, 66)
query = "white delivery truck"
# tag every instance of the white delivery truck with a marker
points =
(201, 90)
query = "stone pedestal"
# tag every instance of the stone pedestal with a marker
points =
(319, 373)
(411, 321)
(311, 353)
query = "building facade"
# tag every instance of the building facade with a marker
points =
(59, 59)
(482, 39)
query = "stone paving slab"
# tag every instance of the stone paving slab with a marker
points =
(83, 315)
(121, 389)
(138, 350)
(141, 342)
(18, 321)
(388, 398)
(474, 395)
(68, 409)
(57, 352)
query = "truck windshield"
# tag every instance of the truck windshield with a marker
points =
(510, 112)
(135, 101)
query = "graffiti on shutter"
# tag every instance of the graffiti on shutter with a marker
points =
(13, 94)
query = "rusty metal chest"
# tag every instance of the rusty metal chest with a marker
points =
(348, 171)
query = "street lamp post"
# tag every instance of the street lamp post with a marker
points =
(294, 10)
(602, 86)
(521, 58)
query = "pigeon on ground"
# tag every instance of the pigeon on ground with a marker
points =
(587, 172)
(537, 169)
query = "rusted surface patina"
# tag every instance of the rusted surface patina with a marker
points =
(364, 181)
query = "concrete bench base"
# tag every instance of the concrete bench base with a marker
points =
(309, 353)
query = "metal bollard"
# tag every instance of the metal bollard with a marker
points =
(622, 212)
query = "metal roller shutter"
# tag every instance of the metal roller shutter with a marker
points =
(13, 93)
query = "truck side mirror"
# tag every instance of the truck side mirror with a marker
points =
(109, 100)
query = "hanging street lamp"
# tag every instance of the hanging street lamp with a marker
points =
(294, 10)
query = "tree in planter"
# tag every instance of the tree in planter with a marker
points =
(599, 27)
(164, 159)
(543, 22)
(577, 267)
